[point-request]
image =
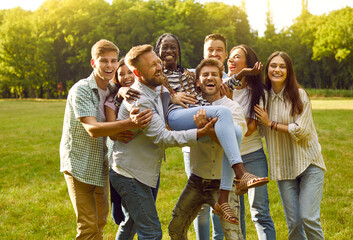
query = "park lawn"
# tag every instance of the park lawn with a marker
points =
(34, 203)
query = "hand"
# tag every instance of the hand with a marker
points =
(124, 136)
(208, 130)
(225, 91)
(128, 93)
(262, 115)
(182, 98)
(208, 125)
(200, 118)
(252, 125)
(256, 70)
(142, 119)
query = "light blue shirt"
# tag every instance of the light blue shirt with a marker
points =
(142, 156)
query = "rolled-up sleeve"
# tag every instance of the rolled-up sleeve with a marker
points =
(160, 135)
(302, 126)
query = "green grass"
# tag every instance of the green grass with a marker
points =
(314, 92)
(34, 203)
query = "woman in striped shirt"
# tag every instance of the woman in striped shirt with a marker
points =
(294, 151)
(180, 117)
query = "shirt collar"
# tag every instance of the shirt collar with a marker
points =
(279, 95)
(92, 82)
(219, 100)
(144, 89)
(225, 75)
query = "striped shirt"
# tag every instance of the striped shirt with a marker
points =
(179, 83)
(291, 153)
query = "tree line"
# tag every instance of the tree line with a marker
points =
(44, 52)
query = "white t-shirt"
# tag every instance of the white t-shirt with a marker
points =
(253, 142)
(103, 94)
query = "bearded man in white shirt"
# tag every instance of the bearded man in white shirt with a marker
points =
(205, 165)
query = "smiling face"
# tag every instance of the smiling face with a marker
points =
(236, 61)
(105, 66)
(215, 49)
(277, 72)
(125, 76)
(149, 69)
(169, 52)
(210, 82)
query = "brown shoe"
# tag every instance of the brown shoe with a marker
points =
(247, 181)
(226, 212)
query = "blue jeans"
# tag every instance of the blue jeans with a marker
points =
(182, 119)
(256, 163)
(202, 225)
(301, 199)
(121, 216)
(139, 205)
(202, 221)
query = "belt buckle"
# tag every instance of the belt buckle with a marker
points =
(208, 184)
(208, 181)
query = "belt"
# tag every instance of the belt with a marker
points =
(203, 181)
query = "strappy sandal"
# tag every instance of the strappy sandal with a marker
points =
(247, 181)
(226, 212)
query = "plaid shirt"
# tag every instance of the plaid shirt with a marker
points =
(80, 154)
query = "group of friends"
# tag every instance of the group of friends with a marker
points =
(119, 121)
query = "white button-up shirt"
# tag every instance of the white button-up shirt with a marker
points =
(206, 156)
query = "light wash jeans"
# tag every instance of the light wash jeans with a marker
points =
(182, 119)
(301, 199)
(202, 221)
(256, 163)
(139, 205)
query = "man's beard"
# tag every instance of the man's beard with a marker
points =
(156, 81)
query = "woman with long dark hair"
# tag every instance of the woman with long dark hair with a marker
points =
(248, 95)
(294, 151)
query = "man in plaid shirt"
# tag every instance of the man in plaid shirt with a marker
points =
(82, 149)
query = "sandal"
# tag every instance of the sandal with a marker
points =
(226, 212)
(237, 191)
(247, 181)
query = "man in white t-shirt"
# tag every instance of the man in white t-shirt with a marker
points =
(202, 187)
(215, 46)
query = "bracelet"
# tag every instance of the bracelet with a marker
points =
(272, 124)
(276, 125)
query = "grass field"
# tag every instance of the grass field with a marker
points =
(34, 203)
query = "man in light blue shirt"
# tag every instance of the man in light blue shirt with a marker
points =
(136, 164)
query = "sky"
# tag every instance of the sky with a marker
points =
(283, 11)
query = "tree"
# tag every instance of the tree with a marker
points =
(16, 51)
(334, 41)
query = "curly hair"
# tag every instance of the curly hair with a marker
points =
(180, 69)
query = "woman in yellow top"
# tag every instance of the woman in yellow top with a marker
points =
(294, 151)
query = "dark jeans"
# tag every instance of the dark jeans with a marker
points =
(196, 192)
